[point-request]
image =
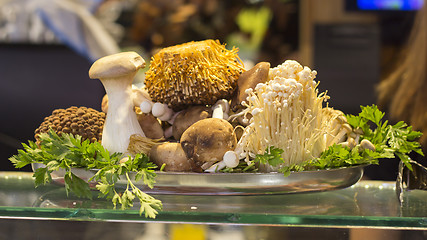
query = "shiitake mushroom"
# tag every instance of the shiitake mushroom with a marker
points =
(206, 141)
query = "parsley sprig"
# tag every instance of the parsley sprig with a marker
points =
(68, 151)
(390, 141)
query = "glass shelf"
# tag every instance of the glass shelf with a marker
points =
(372, 204)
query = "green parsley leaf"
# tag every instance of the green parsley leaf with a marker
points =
(68, 151)
(272, 156)
(42, 176)
(390, 141)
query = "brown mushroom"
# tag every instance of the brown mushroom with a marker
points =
(172, 155)
(249, 79)
(188, 117)
(149, 124)
(206, 141)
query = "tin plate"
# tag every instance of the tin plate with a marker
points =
(237, 183)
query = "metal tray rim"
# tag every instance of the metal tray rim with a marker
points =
(183, 183)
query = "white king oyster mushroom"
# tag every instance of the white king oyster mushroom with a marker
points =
(116, 72)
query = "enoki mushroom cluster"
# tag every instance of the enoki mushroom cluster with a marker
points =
(287, 113)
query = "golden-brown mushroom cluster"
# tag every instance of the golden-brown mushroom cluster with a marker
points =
(193, 73)
(83, 121)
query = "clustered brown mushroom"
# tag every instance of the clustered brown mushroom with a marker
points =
(84, 121)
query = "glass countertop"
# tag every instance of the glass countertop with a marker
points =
(365, 204)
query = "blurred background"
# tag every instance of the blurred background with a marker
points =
(48, 46)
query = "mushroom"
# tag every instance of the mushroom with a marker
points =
(249, 79)
(193, 73)
(220, 109)
(146, 106)
(162, 111)
(83, 121)
(206, 141)
(188, 117)
(230, 159)
(366, 144)
(139, 95)
(344, 129)
(149, 124)
(159, 110)
(172, 155)
(116, 72)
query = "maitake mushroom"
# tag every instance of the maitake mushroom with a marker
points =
(193, 73)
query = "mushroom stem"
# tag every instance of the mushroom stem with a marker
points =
(220, 108)
(120, 115)
(216, 167)
(168, 132)
(345, 129)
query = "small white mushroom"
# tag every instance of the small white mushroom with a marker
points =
(340, 136)
(366, 144)
(146, 106)
(219, 108)
(116, 72)
(167, 115)
(350, 143)
(162, 111)
(230, 160)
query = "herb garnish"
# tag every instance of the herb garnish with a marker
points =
(68, 151)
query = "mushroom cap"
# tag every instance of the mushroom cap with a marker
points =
(249, 79)
(171, 154)
(188, 117)
(116, 65)
(193, 73)
(206, 141)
